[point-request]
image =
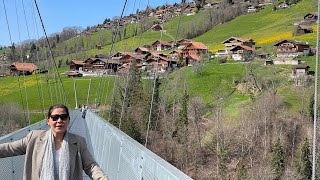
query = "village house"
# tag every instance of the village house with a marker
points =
(130, 57)
(283, 5)
(252, 9)
(300, 74)
(303, 29)
(158, 64)
(176, 54)
(18, 68)
(300, 70)
(141, 50)
(192, 59)
(182, 43)
(124, 68)
(232, 42)
(292, 48)
(161, 45)
(311, 17)
(194, 49)
(101, 64)
(242, 53)
(154, 54)
(76, 65)
(156, 27)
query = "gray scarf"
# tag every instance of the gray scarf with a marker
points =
(48, 170)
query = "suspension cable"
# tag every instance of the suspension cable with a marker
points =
(35, 29)
(114, 36)
(13, 55)
(155, 80)
(55, 65)
(315, 106)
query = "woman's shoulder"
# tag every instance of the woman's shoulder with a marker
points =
(76, 137)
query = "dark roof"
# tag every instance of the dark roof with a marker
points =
(306, 27)
(292, 41)
(242, 47)
(312, 13)
(100, 56)
(300, 67)
(239, 39)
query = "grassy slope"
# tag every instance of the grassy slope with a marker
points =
(264, 27)
(31, 86)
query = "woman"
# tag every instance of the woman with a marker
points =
(56, 153)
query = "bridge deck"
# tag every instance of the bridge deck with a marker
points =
(119, 156)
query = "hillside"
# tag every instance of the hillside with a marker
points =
(265, 27)
(212, 120)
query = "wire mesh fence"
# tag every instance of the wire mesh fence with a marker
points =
(118, 155)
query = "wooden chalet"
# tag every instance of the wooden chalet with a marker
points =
(124, 68)
(194, 49)
(300, 70)
(300, 74)
(241, 52)
(76, 65)
(130, 57)
(176, 53)
(232, 42)
(161, 45)
(192, 59)
(155, 54)
(159, 64)
(156, 27)
(18, 68)
(182, 43)
(311, 17)
(100, 64)
(303, 29)
(141, 50)
(292, 48)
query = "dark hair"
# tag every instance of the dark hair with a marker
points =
(58, 106)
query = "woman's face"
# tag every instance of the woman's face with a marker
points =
(58, 121)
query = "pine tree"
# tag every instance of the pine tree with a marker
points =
(303, 163)
(277, 160)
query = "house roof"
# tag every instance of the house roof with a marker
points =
(134, 55)
(24, 66)
(110, 61)
(78, 62)
(300, 67)
(156, 25)
(195, 57)
(100, 56)
(175, 51)
(197, 45)
(291, 41)
(237, 38)
(312, 13)
(165, 43)
(142, 49)
(306, 27)
(241, 47)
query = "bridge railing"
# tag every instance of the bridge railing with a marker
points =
(118, 155)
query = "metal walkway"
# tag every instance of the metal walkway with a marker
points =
(121, 157)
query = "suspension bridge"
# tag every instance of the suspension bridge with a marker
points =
(118, 155)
